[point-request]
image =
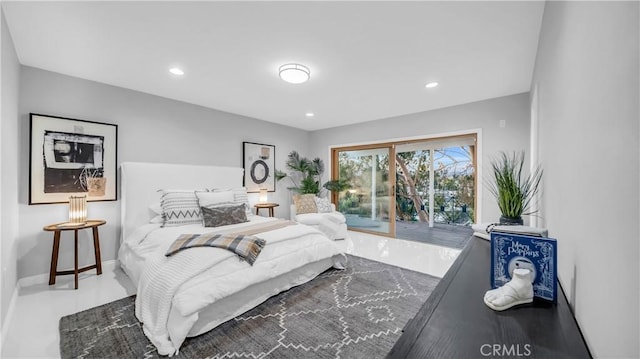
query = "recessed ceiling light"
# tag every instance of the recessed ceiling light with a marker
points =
(176, 71)
(309, 114)
(431, 85)
(294, 73)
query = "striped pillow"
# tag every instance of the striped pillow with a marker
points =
(180, 207)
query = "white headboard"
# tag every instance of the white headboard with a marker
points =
(141, 182)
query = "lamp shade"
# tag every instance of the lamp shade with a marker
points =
(263, 195)
(77, 210)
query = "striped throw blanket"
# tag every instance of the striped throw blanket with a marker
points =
(246, 247)
(243, 243)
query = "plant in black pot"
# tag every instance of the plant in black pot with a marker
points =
(514, 190)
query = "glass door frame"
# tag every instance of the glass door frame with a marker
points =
(391, 145)
(391, 210)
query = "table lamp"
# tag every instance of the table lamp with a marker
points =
(263, 195)
(77, 210)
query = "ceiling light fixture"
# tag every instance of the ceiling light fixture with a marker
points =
(294, 73)
(431, 85)
(176, 71)
(309, 114)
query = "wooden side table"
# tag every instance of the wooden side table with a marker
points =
(269, 206)
(60, 227)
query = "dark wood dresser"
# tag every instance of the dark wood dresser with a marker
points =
(455, 323)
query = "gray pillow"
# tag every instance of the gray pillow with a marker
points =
(216, 216)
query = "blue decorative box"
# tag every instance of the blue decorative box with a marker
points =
(538, 254)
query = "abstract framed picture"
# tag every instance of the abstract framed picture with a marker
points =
(71, 157)
(259, 166)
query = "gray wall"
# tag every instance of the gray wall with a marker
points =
(9, 77)
(485, 115)
(150, 129)
(587, 78)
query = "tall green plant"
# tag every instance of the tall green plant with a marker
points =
(305, 175)
(513, 190)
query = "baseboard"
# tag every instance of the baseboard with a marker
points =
(8, 317)
(33, 280)
(109, 265)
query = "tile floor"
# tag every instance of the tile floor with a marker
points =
(33, 330)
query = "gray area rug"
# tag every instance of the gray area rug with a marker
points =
(354, 313)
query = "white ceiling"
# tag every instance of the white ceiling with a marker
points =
(368, 60)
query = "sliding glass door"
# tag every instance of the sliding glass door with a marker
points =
(369, 203)
(404, 189)
(436, 181)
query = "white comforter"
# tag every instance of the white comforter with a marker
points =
(183, 284)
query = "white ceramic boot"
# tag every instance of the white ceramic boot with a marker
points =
(517, 291)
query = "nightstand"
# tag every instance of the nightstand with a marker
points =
(60, 227)
(269, 206)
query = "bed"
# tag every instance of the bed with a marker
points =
(198, 289)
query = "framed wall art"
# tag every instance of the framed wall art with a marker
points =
(259, 166)
(71, 157)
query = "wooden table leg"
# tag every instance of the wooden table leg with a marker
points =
(75, 265)
(54, 257)
(271, 212)
(257, 210)
(96, 249)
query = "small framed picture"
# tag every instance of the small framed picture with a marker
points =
(259, 166)
(71, 157)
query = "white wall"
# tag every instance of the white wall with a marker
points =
(587, 77)
(485, 115)
(10, 75)
(150, 128)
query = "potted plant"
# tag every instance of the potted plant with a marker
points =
(513, 189)
(305, 175)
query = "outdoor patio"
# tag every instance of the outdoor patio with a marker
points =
(441, 234)
(447, 235)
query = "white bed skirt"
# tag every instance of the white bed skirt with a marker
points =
(236, 304)
(130, 262)
(231, 306)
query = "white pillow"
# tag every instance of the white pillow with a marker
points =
(323, 204)
(239, 196)
(155, 212)
(157, 219)
(208, 199)
(180, 207)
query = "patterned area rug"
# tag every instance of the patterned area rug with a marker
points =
(354, 313)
